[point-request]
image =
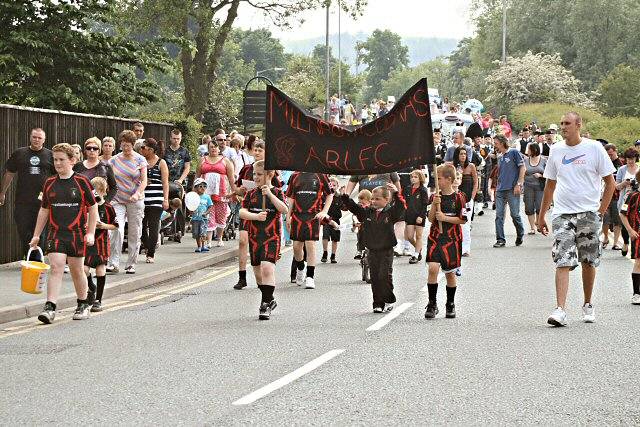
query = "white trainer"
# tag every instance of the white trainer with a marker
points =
(635, 299)
(309, 283)
(558, 317)
(588, 313)
(300, 276)
(388, 306)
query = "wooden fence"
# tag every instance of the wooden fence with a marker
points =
(59, 126)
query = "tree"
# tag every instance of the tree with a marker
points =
(261, 49)
(532, 78)
(202, 28)
(383, 53)
(51, 58)
(436, 71)
(620, 92)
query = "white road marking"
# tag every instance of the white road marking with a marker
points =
(287, 379)
(425, 288)
(389, 317)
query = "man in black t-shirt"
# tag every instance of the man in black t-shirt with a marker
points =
(33, 165)
(179, 163)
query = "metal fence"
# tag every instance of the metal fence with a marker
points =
(59, 126)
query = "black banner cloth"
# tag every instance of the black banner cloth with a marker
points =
(299, 141)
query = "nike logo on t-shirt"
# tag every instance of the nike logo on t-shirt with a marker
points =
(566, 161)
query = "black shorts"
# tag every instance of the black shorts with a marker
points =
(260, 250)
(330, 233)
(93, 260)
(611, 215)
(412, 218)
(445, 252)
(634, 248)
(71, 246)
(304, 228)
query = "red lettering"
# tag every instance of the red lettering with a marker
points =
(375, 155)
(307, 130)
(418, 101)
(313, 154)
(337, 131)
(361, 158)
(333, 162)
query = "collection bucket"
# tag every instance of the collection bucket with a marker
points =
(34, 274)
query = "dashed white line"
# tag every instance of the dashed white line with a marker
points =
(389, 317)
(289, 378)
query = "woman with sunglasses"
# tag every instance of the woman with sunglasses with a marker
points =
(156, 194)
(92, 166)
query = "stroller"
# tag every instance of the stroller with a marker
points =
(233, 223)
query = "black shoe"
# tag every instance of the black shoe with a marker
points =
(241, 284)
(518, 240)
(432, 310)
(498, 244)
(82, 311)
(96, 307)
(91, 297)
(48, 313)
(623, 252)
(494, 206)
(413, 260)
(358, 255)
(485, 205)
(324, 257)
(450, 311)
(333, 259)
(265, 311)
(480, 213)
(273, 304)
(293, 279)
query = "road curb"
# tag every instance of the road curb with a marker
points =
(32, 309)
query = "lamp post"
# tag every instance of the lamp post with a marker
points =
(339, 57)
(326, 65)
(504, 31)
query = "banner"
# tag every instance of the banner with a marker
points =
(298, 141)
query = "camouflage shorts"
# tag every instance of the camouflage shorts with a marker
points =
(576, 239)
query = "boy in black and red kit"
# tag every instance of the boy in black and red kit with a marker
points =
(444, 248)
(377, 221)
(331, 224)
(630, 216)
(310, 197)
(262, 209)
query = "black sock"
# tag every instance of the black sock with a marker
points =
(333, 256)
(102, 280)
(53, 304)
(90, 284)
(267, 292)
(635, 277)
(310, 270)
(433, 291)
(300, 265)
(324, 254)
(243, 275)
(451, 294)
(294, 268)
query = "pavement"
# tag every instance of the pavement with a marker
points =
(172, 260)
(191, 351)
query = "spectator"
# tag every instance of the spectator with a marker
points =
(611, 216)
(225, 150)
(574, 174)
(247, 150)
(533, 185)
(469, 187)
(237, 142)
(458, 141)
(92, 166)
(77, 149)
(505, 127)
(108, 148)
(138, 130)
(177, 158)
(624, 178)
(216, 169)
(130, 170)
(524, 141)
(156, 195)
(33, 165)
(203, 148)
(511, 172)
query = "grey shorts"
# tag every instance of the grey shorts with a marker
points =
(198, 228)
(576, 239)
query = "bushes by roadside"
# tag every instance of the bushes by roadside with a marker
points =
(621, 131)
(191, 129)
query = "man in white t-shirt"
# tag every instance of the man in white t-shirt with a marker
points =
(575, 171)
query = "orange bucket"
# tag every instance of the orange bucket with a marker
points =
(34, 274)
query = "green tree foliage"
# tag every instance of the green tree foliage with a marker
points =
(304, 81)
(260, 48)
(383, 52)
(436, 71)
(51, 58)
(531, 78)
(620, 92)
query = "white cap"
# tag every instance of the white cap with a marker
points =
(199, 181)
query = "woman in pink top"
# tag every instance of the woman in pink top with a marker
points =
(217, 171)
(130, 170)
(506, 127)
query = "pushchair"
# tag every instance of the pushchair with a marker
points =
(232, 225)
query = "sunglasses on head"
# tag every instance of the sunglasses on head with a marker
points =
(92, 148)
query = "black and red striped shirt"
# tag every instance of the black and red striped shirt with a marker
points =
(308, 191)
(68, 201)
(272, 226)
(453, 205)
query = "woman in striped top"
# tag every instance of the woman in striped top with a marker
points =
(130, 170)
(156, 194)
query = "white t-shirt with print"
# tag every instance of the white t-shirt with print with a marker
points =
(578, 171)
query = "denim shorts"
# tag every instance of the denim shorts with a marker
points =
(198, 228)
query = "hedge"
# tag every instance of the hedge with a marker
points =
(621, 131)
(191, 129)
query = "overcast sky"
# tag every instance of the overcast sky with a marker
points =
(422, 18)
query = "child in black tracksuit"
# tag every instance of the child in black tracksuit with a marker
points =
(379, 237)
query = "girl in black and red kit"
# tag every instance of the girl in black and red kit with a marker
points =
(630, 216)
(444, 246)
(69, 208)
(262, 209)
(98, 254)
(417, 198)
(377, 221)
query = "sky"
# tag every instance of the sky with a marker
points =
(446, 19)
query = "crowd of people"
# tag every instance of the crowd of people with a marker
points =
(76, 202)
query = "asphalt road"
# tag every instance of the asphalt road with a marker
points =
(192, 351)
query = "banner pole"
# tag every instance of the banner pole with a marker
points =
(435, 180)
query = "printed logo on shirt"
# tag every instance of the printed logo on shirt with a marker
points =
(574, 160)
(34, 160)
(75, 195)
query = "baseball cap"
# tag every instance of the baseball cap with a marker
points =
(199, 181)
(637, 142)
(553, 126)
